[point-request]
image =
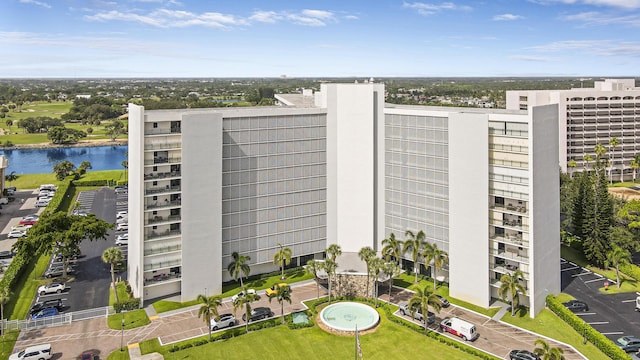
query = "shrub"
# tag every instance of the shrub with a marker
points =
(102, 182)
(128, 305)
(631, 270)
(596, 338)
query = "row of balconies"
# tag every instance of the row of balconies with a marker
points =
(163, 160)
(163, 145)
(511, 238)
(162, 175)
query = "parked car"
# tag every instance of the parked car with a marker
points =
(272, 291)
(46, 312)
(56, 303)
(443, 300)
(36, 352)
(31, 217)
(58, 271)
(122, 240)
(242, 293)
(16, 234)
(28, 221)
(42, 203)
(225, 320)
(258, 313)
(522, 355)
(121, 214)
(122, 227)
(89, 355)
(57, 257)
(21, 227)
(7, 254)
(628, 343)
(417, 314)
(122, 220)
(51, 288)
(12, 188)
(460, 328)
(121, 189)
(576, 305)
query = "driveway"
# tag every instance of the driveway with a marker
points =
(613, 315)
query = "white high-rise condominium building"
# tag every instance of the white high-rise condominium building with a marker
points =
(590, 116)
(342, 168)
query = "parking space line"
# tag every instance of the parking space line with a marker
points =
(598, 275)
(585, 313)
(628, 301)
(571, 268)
(572, 263)
(590, 281)
(598, 323)
(613, 333)
(576, 275)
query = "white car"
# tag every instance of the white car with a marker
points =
(16, 234)
(42, 203)
(121, 214)
(51, 288)
(122, 240)
(242, 293)
(122, 227)
(22, 228)
(226, 320)
(122, 220)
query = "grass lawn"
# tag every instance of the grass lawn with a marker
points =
(548, 324)
(53, 109)
(313, 343)
(627, 284)
(132, 319)
(33, 181)
(119, 355)
(233, 288)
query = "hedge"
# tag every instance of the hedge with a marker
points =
(631, 270)
(128, 305)
(102, 182)
(596, 338)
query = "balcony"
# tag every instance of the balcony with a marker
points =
(163, 130)
(512, 224)
(162, 175)
(515, 240)
(163, 204)
(162, 250)
(162, 264)
(510, 207)
(161, 190)
(162, 234)
(162, 278)
(163, 160)
(160, 219)
(511, 254)
(163, 146)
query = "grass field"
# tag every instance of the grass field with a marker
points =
(33, 181)
(389, 341)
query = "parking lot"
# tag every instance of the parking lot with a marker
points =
(613, 315)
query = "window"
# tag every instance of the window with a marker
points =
(523, 98)
(155, 125)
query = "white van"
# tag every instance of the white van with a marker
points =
(49, 187)
(459, 327)
(37, 352)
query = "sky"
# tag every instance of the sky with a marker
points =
(329, 38)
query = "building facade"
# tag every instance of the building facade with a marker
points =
(342, 168)
(590, 116)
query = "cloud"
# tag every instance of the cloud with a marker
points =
(34, 2)
(531, 58)
(507, 17)
(623, 4)
(266, 17)
(597, 18)
(593, 47)
(351, 17)
(430, 9)
(165, 18)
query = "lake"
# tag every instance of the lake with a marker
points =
(40, 161)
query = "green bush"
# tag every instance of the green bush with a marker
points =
(596, 338)
(102, 182)
(631, 270)
(128, 305)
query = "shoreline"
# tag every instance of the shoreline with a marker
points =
(82, 143)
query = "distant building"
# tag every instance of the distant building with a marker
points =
(83, 96)
(347, 170)
(590, 116)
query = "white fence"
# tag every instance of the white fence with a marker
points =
(57, 320)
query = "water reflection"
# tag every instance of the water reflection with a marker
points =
(38, 161)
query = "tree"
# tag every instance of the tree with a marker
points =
(61, 233)
(239, 267)
(634, 165)
(313, 266)
(5, 296)
(209, 309)
(245, 301)
(114, 129)
(392, 248)
(614, 142)
(282, 294)
(546, 352)
(599, 219)
(439, 258)
(82, 169)
(112, 256)
(375, 266)
(510, 286)
(63, 169)
(11, 177)
(125, 165)
(329, 266)
(616, 257)
(366, 254)
(282, 258)
(391, 270)
(571, 165)
(414, 245)
(422, 298)
(333, 251)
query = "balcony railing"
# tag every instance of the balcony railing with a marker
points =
(160, 190)
(160, 219)
(162, 131)
(162, 264)
(163, 204)
(160, 234)
(162, 250)
(162, 175)
(163, 160)
(515, 240)
(520, 208)
(512, 255)
(512, 224)
(162, 146)
(162, 278)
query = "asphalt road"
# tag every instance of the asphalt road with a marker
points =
(613, 315)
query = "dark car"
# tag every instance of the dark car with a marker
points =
(522, 355)
(46, 312)
(628, 343)
(576, 305)
(89, 355)
(443, 300)
(56, 303)
(258, 313)
(7, 254)
(58, 271)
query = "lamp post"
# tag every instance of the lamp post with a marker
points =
(122, 332)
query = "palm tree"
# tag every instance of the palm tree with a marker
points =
(239, 267)
(510, 286)
(616, 257)
(414, 245)
(333, 251)
(422, 298)
(572, 167)
(439, 258)
(209, 309)
(587, 159)
(112, 256)
(375, 266)
(5, 296)
(11, 177)
(392, 247)
(245, 301)
(125, 165)
(634, 165)
(546, 352)
(313, 267)
(614, 142)
(282, 294)
(366, 254)
(329, 266)
(282, 258)
(391, 270)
